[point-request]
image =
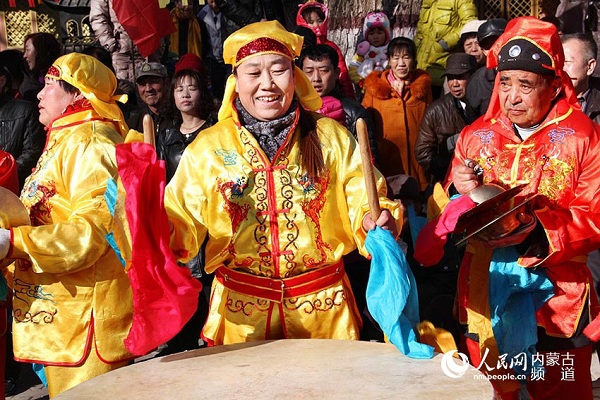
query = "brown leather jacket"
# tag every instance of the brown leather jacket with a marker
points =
(443, 119)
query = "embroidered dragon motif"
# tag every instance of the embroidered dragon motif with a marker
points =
(237, 212)
(38, 197)
(312, 207)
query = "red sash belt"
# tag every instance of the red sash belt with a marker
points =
(277, 289)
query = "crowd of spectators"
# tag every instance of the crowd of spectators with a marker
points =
(416, 96)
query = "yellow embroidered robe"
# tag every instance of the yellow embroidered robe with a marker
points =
(268, 219)
(69, 286)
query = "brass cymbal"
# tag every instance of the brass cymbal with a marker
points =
(495, 204)
(479, 229)
(487, 210)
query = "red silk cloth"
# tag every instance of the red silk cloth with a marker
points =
(165, 295)
(8, 172)
(145, 23)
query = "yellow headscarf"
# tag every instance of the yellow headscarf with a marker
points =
(96, 83)
(261, 38)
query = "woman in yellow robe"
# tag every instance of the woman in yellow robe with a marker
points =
(72, 299)
(279, 193)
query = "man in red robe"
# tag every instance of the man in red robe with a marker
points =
(534, 133)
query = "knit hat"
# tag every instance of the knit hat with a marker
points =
(96, 83)
(377, 19)
(261, 38)
(189, 61)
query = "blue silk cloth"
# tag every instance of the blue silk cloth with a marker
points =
(392, 294)
(515, 294)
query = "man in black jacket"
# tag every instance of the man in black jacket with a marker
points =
(580, 62)
(319, 62)
(153, 89)
(21, 133)
(480, 87)
(445, 118)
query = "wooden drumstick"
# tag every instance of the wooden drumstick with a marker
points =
(368, 171)
(148, 125)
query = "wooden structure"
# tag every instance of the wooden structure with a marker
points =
(68, 20)
(507, 9)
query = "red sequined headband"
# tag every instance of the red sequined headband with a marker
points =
(53, 71)
(262, 45)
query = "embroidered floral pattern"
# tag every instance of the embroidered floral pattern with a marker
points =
(229, 156)
(275, 189)
(260, 194)
(311, 305)
(555, 175)
(47, 317)
(247, 307)
(276, 232)
(26, 293)
(545, 168)
(485, 135)
(288, 230)
(37, 192)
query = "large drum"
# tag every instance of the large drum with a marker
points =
(289, 369)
